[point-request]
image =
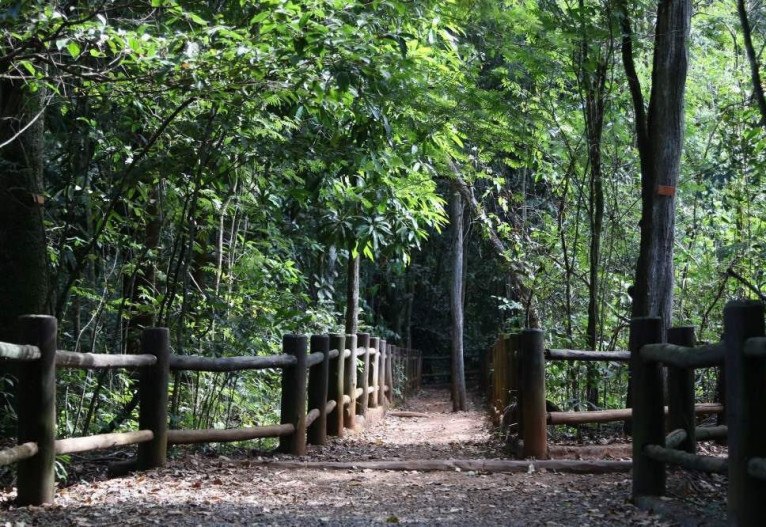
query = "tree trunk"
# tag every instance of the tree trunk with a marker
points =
(516, 277)
(593, 85)
(456, 301)
(660, 140)
(752, 58)
(352, 294)
(23, 247)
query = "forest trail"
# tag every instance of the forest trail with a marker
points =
(209, 490)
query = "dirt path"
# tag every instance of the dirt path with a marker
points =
(233, 490)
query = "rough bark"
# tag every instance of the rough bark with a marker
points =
(660, 139)
(456, 301)
(593, 86)
(23, 257)
(752, 58)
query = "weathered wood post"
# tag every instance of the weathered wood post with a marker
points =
(36, 403)
(648, 408)
(294, 380)
(681, 391)
(382, 354)
(349, 382)
(745, 412)
(419, 373)
(390, 372)
(319, 379)
(335, 387)
(372, 398)
(363, 339)
(512, 346)
(153, 399)
(532, 354)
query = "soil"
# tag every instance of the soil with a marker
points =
(199, 489)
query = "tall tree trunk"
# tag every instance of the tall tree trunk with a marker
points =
(516, 278)
(659, 137)
(752, 58)
(352, 293)
(593, 86)
(23, 247)
(660, 140)
(456, 301)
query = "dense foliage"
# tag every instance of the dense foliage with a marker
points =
(212, 166)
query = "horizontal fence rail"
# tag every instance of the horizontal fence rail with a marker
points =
(330, 384)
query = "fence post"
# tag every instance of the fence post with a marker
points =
(319, 379)
(153, 399)
(745, 409)
(648, 408)
(335, 386)
(532, 355)
(36, 400)
(512, 347)
(372, 398)
(390, 372)
(382, 355)
(349, 382)
(363, 340)
(294, 395)
(681, 391)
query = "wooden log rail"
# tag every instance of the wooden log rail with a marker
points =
(743, 355)
(513, 372)
(323, 392)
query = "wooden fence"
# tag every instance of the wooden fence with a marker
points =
(742, 354)
(514, 373)
(329, 383)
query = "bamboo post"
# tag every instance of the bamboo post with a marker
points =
(319, 378)
(532, 354)
(382, 381)
(372, 398)
(681, 391)
(363, 340)
(36, 400)
(349, 382)
(294, 395)
(335, 386)
(745, 412)
(153, 398)
(648, 408)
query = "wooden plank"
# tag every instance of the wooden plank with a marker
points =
(452, 465)
(21, 352)
(215, 435)
(585, 355)
(97, 361)
(224, 364)
(73, 445)
(17, 453)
